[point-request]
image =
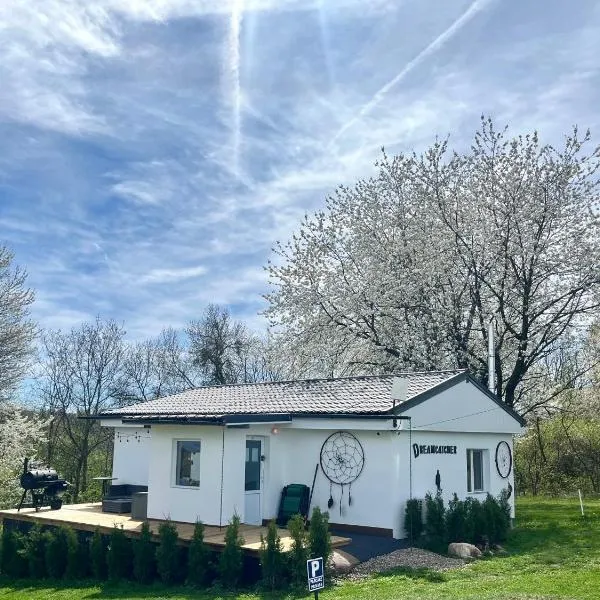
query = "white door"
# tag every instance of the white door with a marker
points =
(253, 482)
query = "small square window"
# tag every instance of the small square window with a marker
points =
(475, 475)
(187, 469)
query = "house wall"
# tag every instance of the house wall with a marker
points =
(165, 500)
(452, 467)
(379, 495)
(462, 407)
(295, 453)
(290, 457)
(131, 456)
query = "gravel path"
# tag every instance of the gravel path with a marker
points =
(415, 558)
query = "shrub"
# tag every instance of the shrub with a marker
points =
(497, 517)
(119, 555)
(476, 522)
(13, 562)
(34, 552)
(98, 555)
(231, 561)
(198, 558)
(144, 565)
(505, 519)
(413, 520)
(167, 553)
(84, 567)
(272, 559)
(456, 527)
(298, 554)
(74, 568)
(319, 538)
(55, 552)
(435, 526)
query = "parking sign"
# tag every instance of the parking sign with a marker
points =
(314, 570)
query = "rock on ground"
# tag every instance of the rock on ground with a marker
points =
(414, 558)
(463, 550)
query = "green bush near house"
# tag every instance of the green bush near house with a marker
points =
(168, 559)
(12, 559)
(272, 560)
(482, 523)
(435, 523)
(119, 555)
(34, 546)
(98, 555)
(413, 520)
(298, 554)
(319, 538)
(76, 566)
(56, 552)
(231, 561)
(144, 551)
(198, 558)
(456, 521)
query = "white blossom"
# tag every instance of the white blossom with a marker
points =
(405, 270)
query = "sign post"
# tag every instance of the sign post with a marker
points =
(316, 577)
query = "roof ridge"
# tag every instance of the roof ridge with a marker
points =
(323, 379)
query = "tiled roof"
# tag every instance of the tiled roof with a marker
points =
(346, 395)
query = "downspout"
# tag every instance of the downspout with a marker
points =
(491, 357)
(222, 466)
(410, 478)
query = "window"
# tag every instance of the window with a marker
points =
(475, 476)
(187, 468)
(253, 448)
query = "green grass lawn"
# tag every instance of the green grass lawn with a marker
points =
(553, 554)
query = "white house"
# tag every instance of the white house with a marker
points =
(369, 443)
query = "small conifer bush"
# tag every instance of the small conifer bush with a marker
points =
(34, 552)
(413, 522)
(319, 538)
(435, 526)
(456, 530)
(119, 555)
(231, 561)
(144, 563)
(12, 556)
(74, 567)
(167, 553)
(198, 558)
(298, 554)
(98, 555)
(477, 520)
(55, 552)
(272, 559)
(504, 516)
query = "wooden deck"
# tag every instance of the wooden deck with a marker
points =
(88, 517)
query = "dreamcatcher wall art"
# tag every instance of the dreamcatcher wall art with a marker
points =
(342, 461)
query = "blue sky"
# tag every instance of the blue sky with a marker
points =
(152, 151)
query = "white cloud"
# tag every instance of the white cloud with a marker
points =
(119, 183)
(170, 275)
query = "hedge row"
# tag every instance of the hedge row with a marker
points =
(63, 553)
(481, 523)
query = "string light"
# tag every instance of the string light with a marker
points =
(137, 436)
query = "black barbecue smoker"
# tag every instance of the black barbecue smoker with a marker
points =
(44, 485)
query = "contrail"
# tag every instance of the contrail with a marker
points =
(439, 41)
(233, 44)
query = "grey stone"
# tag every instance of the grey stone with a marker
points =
(463, 550)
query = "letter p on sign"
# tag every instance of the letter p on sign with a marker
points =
(314, 570)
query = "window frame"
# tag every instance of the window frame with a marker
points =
(471, 471)
(175, 460)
